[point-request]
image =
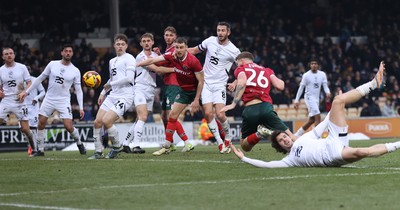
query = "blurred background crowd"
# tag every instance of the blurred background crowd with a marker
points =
(349, 38)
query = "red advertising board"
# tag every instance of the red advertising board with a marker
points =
(372, 127)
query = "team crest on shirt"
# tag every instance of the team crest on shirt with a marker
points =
(178, 97)
(218, 51)
(10, 74)
(62, 71)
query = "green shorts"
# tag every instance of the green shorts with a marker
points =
(262, 113)
(185, 97)
(168, 94)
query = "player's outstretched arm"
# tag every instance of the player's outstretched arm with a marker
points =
(151, 61)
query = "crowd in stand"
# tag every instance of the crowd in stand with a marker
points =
(281, 34)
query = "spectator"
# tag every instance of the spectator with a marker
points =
(388, 109)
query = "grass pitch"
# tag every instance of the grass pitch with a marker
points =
(201, 179)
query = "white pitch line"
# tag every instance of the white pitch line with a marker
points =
(369, 167)
(136, 160)
(186, 161)
(200, 182)
(177, 161)
(29, 206)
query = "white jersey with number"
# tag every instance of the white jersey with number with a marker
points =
(219, 60)
(143, 76)
(13, 80)
(61, 78)
(118, 70)
(312, 82)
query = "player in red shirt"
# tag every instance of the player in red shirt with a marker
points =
(171, 89)
(189, 74)
(253, 87)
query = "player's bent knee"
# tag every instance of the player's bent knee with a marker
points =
(221, 117)
(98, 123)
(339, 99)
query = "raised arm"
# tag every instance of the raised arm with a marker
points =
(159, 69)
(194, 50)
(277, 83)
(151, 61)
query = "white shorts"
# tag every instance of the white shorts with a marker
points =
(144, 95)
(215, 94)
(312, 106)
(119, 106)
(337, 139)
(19, 109)
(33, 115)
(62, 107)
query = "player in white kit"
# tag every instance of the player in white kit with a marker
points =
(145, 84)
(14, 78)
(310, 150)
(220, 55)
(62, 75)
(32, 102)
(120, 98)
(312, 81)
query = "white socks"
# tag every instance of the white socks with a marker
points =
(226, 126)
(40, 140)
(167, 144)
(75, 135)
(138, 133)
(214, 130)
(134, 133)
(366, 88)
(98, 145)
(114, 137)
(391, 147)
(129, 135)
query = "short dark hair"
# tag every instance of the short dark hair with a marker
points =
(274, 141)
(223, 23)
(170, 29)
(5, 48)
(245, 54)
(181, 40)
(122, 37)
(149, 35)
(314, 59)
(67, 46)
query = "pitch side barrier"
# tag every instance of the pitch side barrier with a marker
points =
(373, 127)
(57, 138)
